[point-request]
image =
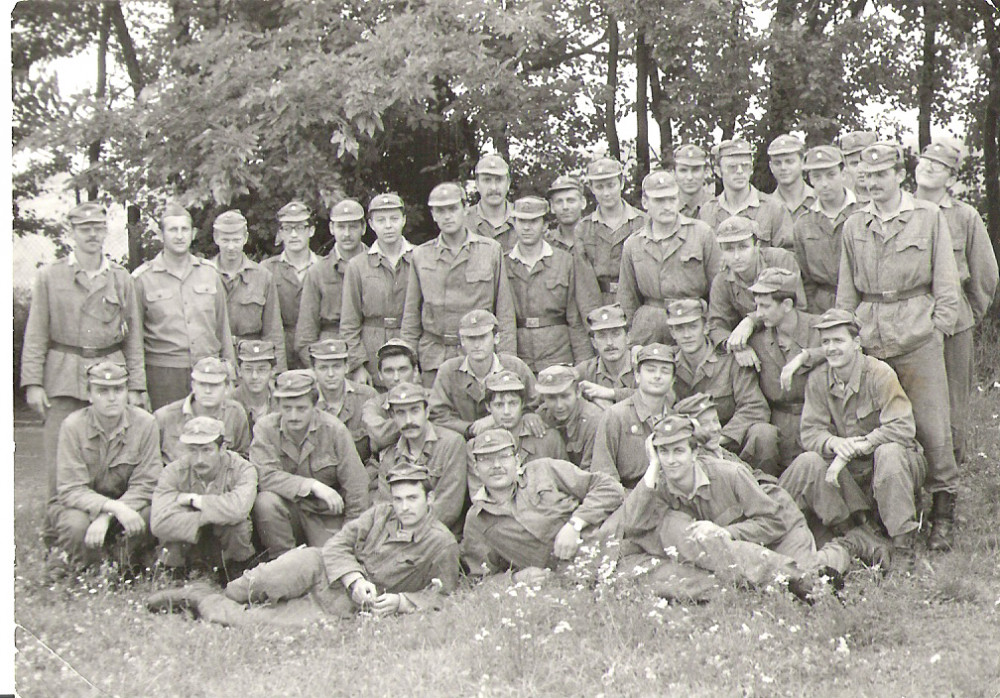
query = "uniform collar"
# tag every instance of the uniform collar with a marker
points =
(700, 480)
(849, 199)
(807, 193)
(678, 232)
(508, 214)
(853, 383)
(631, 213)
(515, 253)
(467, 240)
(495, 367)
(312, 259)
(244, 265)
(375, 249)
(752, 201)
(94, 426)
(906, 204)
(402, 446)
(104, 266)
(644, 411)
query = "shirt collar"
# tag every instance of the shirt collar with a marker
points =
(678, 230)
(906, 203)
(807, 193)
(515, 253)
(508, 213)
(643, 410)
(849, 199)
(465, 241)
(376, 249)
(312, 259)
(244, 265)
(94, 426)
(753, 201)
(74, 262)
(495, 367)
(631, 213)
(853, 383)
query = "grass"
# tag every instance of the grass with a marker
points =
(936, 633)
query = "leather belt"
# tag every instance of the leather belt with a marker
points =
(532, 323)
(449, 340)
(240, 337)
(894, 296)
(329, 325)
(607, 284)
(388, 323)
(658, 302)
(86, 352)
(788, 407)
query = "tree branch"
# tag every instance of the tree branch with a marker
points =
(128, 47)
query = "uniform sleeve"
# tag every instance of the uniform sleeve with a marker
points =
(587, 454)
(441, 409)
(751, 405)
(792, 265)
(782, 235)
(944, 278)
(762, 522)
(588, 291)
(381, 429)
(339, 551)
(982, 284)
(135, 362)
(444, 571)
(712, 256)
(808, 284)
(411, 325)
(816, 425)
(642, 512)
(271, 477)
(628, 286)
(599, 493)
(170, 520)
(848, 297)
(233, 506)
(722, 313)
(351, 318)
(578, 339)
(273, 330)
(147, 470)
(72, 476)
(36, 334)
(475, 550)
(896, 424)
(506, 317)
(450, 491)
(222, 323)
(307, 327)
(606, 447)
(351, 475)
(241, 430)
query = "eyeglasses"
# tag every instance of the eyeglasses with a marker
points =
(933, 166)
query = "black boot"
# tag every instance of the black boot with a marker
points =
(903, 552)
(864, 544)
(942, 520)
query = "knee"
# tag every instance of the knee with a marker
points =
(890, 457)
(71, 526)
(764, 434)
(806, 467)
(268, 506)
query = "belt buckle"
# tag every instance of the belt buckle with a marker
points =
(88, 352)
(391, 322)
(890, 296)
(531, 322)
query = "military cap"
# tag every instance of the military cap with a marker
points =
(477, 322)
(834, 317)
(784, 144)
(255, 350)
(492, 164)
(407, 472)
(690, 154)
(655, 352)
(737, 228)
(605, 317)
(88, 212)
(346, 211)
(821, 157)
(172, 209)
(944, 153)
(202, 430)
(230, 222)
(385, 202)
(446, 194)
(396, 344)
(671, 429)
(328, 349)
(107, 373)
(491, 441)
(686, 310)
(406, 394)
(555, 379)
(293, 212)
(881, 156)
(604, 168)
(774, 279)
(856, 141)
(504, 381)
(530, 207)
(564, 183)
(735, 146)
(659, 183)
(211, 369)
(694, 405)
(294, 383)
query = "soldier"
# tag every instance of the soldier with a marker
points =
(786, 156)
(858, 432)
(564, 409)
(740, 404)
(251, 295)
(458, 399)
(183, 305)
(208, 398)
(609, 377)
(322, 292)
(568, 201)
(543, 284)
(107, 462)
(338, 396)
(530, 516)
(733, 165)
(936, 172)
(375, 289)
(817, 232)
(84, 309)
(506, 400)
(691, 170)
(449, 276)
(671, 257)
(290, 267)
(256, 373)
(310, 478)
(421, 444)
(491, 217)
(898, 273)
(397, 363)
(201, 506)
(601, 235)
(851, 145)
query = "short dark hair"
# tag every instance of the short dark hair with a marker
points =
(313, 396)
(779, 295)
(390, 351)
(425, 484)
(490, 394)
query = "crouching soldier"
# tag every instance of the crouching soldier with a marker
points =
(564, 409)
(201, 506)
(107, 462)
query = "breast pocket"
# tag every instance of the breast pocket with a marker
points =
(161, 302)
(332, 290)
(912, 258)
(203, 296)
(248, 312)
(558, 291)
(478, 274)
(692, 269)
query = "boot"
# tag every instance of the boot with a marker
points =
(180, 598)
(864, 544)
(903, 552)
(942, 520)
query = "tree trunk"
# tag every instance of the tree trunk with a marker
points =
(610, 122)
(782, 96)
(661, 112)
(128, 47)
(94, 151)
(991, 128)
(641, 110)
(925, 88)
(134, 229)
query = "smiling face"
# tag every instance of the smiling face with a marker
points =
(691, 337)
(176, 232)
(88, 238)
(883, 186)
(410, 419)
(560, 405)
(786, 168)
(839, 345)
(295, 235)
(933, 175)
(710, 427)
(497, 470)
(567, 206)
(677, 463)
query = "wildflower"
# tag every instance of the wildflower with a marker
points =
(561, 627)
(507, 622)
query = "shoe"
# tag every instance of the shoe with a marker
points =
(942, 521)
(869, 547)
(903, 552)
(180, 598)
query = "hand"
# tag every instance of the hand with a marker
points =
(700, 530)
(329, 496)
(531, 575)
(833, 472)
(863, 445)
(363, 592)
(129, 519)
(846, 449)
(37, 399)
(482, 424)
(567, 542)
(747, 358)
(96, 531)
(593, 391)
(195, 501)
(789, 370)
(361, 375)
(387, 604)
(534, 424)
(653, 460)
(137, 398)
(740, 335)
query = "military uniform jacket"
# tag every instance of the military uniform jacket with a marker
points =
(817, 242)
(349, 413)
(977, 265)
(446, 284)
(909, 254)
(505, 236)
(172, 417)
(458, 398)
(772, 217)
(93, 466)
(691, 207)
(289, 285)
(807, 201)
(326, 454)
(774, 355)
(320, 305)
(598, 250)
(69, 307)
(183, 319)
(226, 499)
(254, 412)
(578, 432)
(619, 446)
(554, 237)
(253, 307)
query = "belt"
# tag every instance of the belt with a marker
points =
(607, 284)
(240, 337)
(333, 325)
(894, 296)
(658, 302)
(86, 352)
(788, 407)
(388, 323)
(449, 340)
(532, 323)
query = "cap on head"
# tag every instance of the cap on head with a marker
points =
(346, 211)
(530, 208)
(881, 156)
(446, 194)
(293, 212)
(555, 379)
(605, 317)
(856, 141)
(328, 349)
(694, 405)
(385, 202)
(87, 212)
(230, 222)
(686, 310)
(655, 352)
(493, 165)
(821, 157)
(604, 168)
(407, 472)
(835, 317)
(690, 154)
(294, 383)
(406, 394)
(776, 279)
(172, 209)
(476, 323)
(491, 441)
(255, 350)
(395, 345)
(107, 373)
(734, 146)
(946, 154)
(671, 429)
(202, 430)
(785, 144)
(503, 382)
(659, 183)
(736, 229)
(211, 369)
(565, 183)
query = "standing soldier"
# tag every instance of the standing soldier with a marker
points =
(289, 269)
(338, 396)
(568, 200)
(84, 309)
(319, 310)
(375, 289)
(601, 235)
(183, 305)
(251, 296)
(733, 164)
(690, 169)
(564, 409)
(543, 283)
(977, 273)
(851, 145)
(672, 257)
(817, 232)
(491, 217)
(457, 272)
(256, 372)
(898, 273)
(609, 377)
(786, 155)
